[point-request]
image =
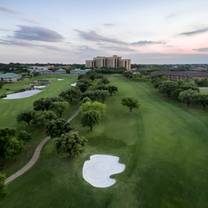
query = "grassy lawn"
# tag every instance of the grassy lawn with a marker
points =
(164, 146)
(9, 109)
(203, 90)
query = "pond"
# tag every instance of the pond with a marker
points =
(20, 95)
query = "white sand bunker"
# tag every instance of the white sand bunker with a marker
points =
(74, 84)
(40, 87)
(20, 95)
(99, 168)
(60, 79)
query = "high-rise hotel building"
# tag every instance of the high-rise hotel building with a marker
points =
(113, 62)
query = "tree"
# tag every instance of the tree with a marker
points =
(58, 127)
(86, 99)
(10, 146)
(70, 144)
(2, 186)
(131, 103)
(97, 106)
(104, 80)
(42, 119)
(72, 95)
(90, 118)
(26, 117)
(112, 89)
(202, 100)
(99, 95)
(58, 108)
(188, 96)
(168, 87)
(42, 104)
(24, 136)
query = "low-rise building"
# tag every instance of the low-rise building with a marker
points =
(77, 72)
(10, 77)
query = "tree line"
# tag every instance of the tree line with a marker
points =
(185, 91)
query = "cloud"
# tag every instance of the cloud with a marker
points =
(8, 10)
(95, 37)
(31, 33)
(194, 32)
(109, 24)
(147, 42)
(119, 48)
(28, 44)
(201, 49)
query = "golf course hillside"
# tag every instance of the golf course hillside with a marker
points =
(163, 145)
(9, 109)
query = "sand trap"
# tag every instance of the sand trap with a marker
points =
(74, 84)
(20, 95)
(60, 79)
(39, 87)
(99, 168)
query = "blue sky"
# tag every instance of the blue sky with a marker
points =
(66, 31)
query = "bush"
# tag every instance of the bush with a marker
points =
(90, 118)
(70, 144)
(24, 136)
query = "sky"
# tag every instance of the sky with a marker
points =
(71, 31)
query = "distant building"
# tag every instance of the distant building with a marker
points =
(177, 75)
(39, 69)
(77, 72)
(10, 77)
(113, 62)
(60, 71)
(45, 70)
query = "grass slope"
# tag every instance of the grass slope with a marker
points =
(164, 146)
(9, 109)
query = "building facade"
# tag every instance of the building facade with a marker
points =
(10, 77)
(113, 62)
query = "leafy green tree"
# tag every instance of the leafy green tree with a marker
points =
(26, 117)
(42, 119)
(104, 80)
(90, 118)
(86, 99)
(90, 106)
(70, 144)
(202, 100)
(112, 89)
(24, 136)
(42, 104)
(188, 96)
(58, 127)
(59, 108)
(99, 95)
(131, 103)
(168, 87)
(10, 146)
(2, 186)
(72, 95)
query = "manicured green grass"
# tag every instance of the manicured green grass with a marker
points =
(164, 146)
(9, 109)
(203, 90)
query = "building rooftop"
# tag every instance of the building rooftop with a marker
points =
(8, 75)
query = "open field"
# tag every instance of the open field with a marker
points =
(9, 109)
(203, 90)
(164, 146)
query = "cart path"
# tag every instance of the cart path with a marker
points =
(35, 156)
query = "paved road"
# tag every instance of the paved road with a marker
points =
(35, 156)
